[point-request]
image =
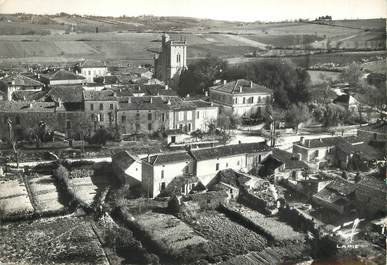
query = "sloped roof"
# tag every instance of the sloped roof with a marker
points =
(103, 95)
(229, 150)
(156, 103)
(28, 95)
(247, 86)
(91, 64)
(341, 186)
(23, 81)
(327, 141)
(123, 159)
(230, 177)
(26, 106)
(157, 89)
(63, 75)
(372, 183)
(67, 94)
(200, 103)
(288, 159)
(167, 158)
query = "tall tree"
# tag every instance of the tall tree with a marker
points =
(297, 114)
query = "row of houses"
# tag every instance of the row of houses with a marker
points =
(183, 170)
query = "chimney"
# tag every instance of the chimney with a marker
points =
(224, 82)
(251, 83)
(169, 102)
(302, 140)
(166, 87)
(240, 89)
(206, 93)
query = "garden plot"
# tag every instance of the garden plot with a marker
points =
(61, 240)
(81, 185)
(228, 237)
(14, 198)
(44, 193)
(279, 231)
(169, 233)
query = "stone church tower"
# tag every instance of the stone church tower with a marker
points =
(171, 60)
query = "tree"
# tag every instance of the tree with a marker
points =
(101, 136)
(200, 75)
(334, 115)
(297, 114)
(289, 83)
(352, 75)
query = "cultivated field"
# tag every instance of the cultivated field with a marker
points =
(132, 39)
(14, 200)
(44, 194)
(169, 233)
(61, 240)
(82, 186)
(227, 237)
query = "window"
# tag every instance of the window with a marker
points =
(162, 174)
(259, 99)
(137, 126)
(101, 117)
(89, 73)
(181, 126)
(100, 106)
(111, 106)
(217, 166)
(183, 189)
(226, 164)
(162, 117)
(251, 100)
(181, 115)
(238, 163)
(149, 116)
(244, 100)
(137, 115)
(235, 100)
(178, 58)
(189, 127)
(91, 106)
(162, 186)
(68, 124)
(149, 126)
(123, 119)
(189, 115)
(197, 115)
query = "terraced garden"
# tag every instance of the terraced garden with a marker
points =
(54, 240)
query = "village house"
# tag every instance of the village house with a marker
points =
(11, 84)
(127, 168)
(371, 195)
(102, 105)
(358, 156)
(240, 157)
(283, 165)
(171, 60)
(160, 170)
(241, 97)
(62, 77)
(205, 114)
(91, 70)
(338, 196)
(319, 150)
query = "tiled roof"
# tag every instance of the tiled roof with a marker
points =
(326, 142)
(91, 64)
(103, 95)
(28, 95)
(67, 94)
(288, 159)
(26, 106)
(123, 159)
(341, 186)
(23, 81)
(242, 86)
(154, 90)
(167, 158)
(156, 103)
(63, 75)
(230, 177)
(229, 150)
(200, 103)
(372, 183)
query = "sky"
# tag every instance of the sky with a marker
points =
(234, 10)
